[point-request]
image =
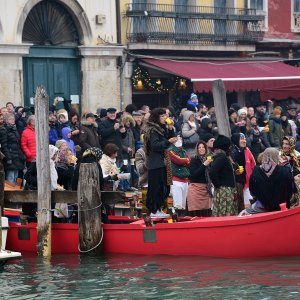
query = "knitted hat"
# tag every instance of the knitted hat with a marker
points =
(193, 95)
(59, 143)
(242, 111)
(222, 142)
(103, 113)
(235, 106)
(207, 137)
(231, 111)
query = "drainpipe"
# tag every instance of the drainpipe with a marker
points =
(118, 21)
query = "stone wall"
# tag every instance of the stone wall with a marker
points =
(100, 73)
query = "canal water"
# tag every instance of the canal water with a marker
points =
(149, 277)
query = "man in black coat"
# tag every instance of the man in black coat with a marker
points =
(88, 135)
(112, 131)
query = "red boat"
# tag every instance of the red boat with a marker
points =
(261, 235)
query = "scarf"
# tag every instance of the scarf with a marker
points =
(269, 161)
(290, 156)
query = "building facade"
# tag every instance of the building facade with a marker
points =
(207, 30)
(69, 46)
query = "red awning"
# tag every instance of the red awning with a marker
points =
(237, 75)
(281, 92)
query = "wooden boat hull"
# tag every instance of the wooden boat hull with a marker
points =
(262, 235)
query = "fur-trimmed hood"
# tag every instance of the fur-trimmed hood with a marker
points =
(129, 118)
(85, 123)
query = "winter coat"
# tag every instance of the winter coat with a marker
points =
(187, 130)
(141, 166)
(60, 126)
(53, 134)
(180, 164)
(65, 131)
(272, 190)
(20, 123)
(204, 128)
(128, 141)
(276, 132)
(89, 136)
(156, 143)
(221, 171)
(110, 135)
(108, 166)
(28, 143)
(10, 146)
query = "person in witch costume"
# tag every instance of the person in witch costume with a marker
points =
(158, 137)
(270, 184)
(221, 174)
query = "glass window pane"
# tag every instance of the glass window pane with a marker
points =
(257, 4)
(296, 5)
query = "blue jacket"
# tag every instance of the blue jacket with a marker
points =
(53, 135)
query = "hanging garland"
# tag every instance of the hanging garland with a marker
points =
(142, 80)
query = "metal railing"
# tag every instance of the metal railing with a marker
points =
(183, 24)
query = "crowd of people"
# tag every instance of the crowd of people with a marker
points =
(166, 153)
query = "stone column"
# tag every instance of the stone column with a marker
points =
(11, 72)
(100, 77)
(127, 85)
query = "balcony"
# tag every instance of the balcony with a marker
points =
(167, 24)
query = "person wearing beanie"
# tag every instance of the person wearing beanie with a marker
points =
(242, 113)
(209, 141)
(235, 106)
(193, 102)
(222, 177)
(276, 131)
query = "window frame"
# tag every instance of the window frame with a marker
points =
(295, 18)
(263, 12)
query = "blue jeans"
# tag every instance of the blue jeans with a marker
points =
(11, 176)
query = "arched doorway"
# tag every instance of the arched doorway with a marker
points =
(53, 59)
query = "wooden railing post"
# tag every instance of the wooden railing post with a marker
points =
(89, 206)
(220, 103)
(43, 172)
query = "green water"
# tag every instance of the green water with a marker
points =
(149, 277)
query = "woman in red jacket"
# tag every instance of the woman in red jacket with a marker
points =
(28, 140)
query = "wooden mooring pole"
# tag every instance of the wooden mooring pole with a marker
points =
(43, 172)
(2, 179)
(89, 206)
(220, 103)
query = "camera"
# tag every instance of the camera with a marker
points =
(28, 109)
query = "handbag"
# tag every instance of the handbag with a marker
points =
(191, 140)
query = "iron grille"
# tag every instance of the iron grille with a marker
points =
(183, 24)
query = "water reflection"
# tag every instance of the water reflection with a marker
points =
(145, 277)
